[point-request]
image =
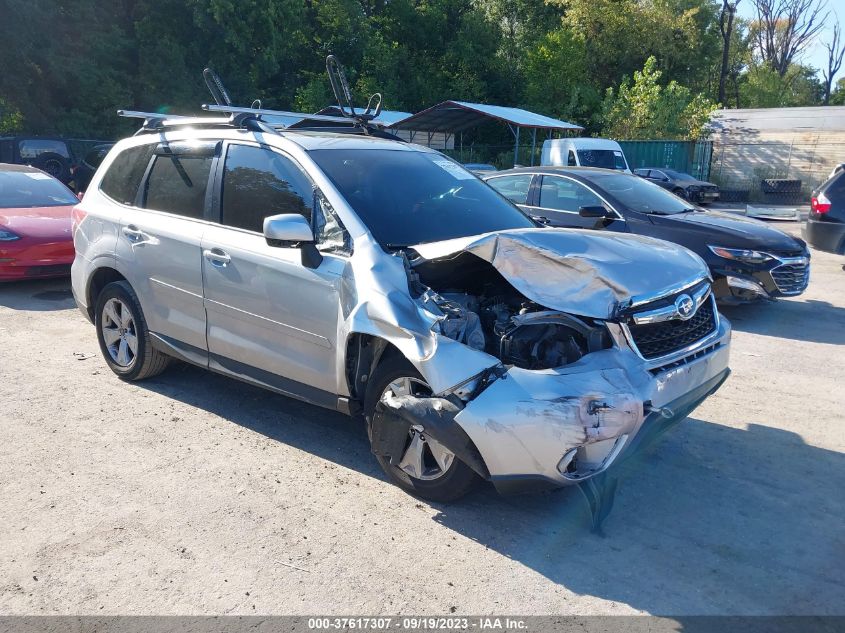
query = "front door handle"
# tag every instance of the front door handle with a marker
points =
(218, 257)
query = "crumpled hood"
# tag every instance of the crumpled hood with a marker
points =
(583, 272)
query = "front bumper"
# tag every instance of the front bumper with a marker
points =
(32, 259)
(703, 196)
(561, 427)
(789, 277)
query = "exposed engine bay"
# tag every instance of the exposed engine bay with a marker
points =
(482, 310)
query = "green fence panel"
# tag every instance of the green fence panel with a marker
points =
(692, 157)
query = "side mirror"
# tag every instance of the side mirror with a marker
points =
(594, 211)
(291, 230)
(541, 219)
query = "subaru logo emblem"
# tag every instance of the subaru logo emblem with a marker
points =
(684, 306)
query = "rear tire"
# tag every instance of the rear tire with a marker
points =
(123, 335)
(458, 478)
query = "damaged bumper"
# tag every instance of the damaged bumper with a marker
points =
(559, 427)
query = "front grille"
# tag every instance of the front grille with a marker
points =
(655, 340)
(791, 278)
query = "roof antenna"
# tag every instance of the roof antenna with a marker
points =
(216, 88)
(340, 87)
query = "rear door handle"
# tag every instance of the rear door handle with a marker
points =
(134, 234)
(218, 257)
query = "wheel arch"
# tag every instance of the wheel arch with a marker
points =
(99, 279)
(363, 354)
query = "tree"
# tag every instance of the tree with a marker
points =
(835, 52)
(763, 87)
(620, 35)
(645, 109)
(555, 67)
(784, 29)
(726, 27)
(10, 118)
(837, 97)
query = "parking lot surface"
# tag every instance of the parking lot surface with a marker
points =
(194, 494)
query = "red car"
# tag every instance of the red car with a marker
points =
(35, 224)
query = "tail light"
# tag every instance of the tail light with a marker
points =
(76, 217)
(820, 203)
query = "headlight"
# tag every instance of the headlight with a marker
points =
(7, 236)
(693, 188)
(741, 255)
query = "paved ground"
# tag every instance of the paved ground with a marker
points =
(194, 494)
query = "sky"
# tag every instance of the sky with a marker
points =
(816, 53)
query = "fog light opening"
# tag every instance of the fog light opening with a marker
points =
(590, 459)
(740, 283)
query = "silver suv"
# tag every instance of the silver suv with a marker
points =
(383, 280)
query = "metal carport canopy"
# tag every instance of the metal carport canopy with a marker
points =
(457, 116)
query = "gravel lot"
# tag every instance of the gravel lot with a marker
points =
(195, 494)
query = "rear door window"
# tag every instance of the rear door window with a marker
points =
(258, 183)
(121, 181)
(562, 194)
(178, 179)
(514, 188)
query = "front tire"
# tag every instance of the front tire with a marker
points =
(427, 469)
(123, 335)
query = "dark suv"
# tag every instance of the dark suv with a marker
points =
(52, 155)
(825, 228)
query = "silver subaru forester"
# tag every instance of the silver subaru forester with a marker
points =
(382, 279)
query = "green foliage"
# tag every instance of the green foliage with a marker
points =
(68, 65)
(837, 96)
(763, 87)
(555, 67)
(10, 119)
(646, 109)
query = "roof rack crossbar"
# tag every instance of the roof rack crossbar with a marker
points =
(157, 121)
(281, 113)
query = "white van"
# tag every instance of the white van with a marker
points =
(584, 152)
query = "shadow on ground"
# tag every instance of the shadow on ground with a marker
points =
(37, 295)
(708, 520)
(798, 319)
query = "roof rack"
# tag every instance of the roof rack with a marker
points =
(156, 122)
(252, 118)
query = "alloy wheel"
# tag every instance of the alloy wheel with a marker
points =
(424, 458)
(119, 333)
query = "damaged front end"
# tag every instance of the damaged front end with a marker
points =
(585, 340)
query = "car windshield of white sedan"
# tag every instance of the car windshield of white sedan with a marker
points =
(23, 189)
(408, 198)
(640, 195)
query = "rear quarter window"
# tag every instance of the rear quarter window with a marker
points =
(124, 175)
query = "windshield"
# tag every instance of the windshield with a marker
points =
(640, 195)
(604, 158)
(22, 189)
(408, 198)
